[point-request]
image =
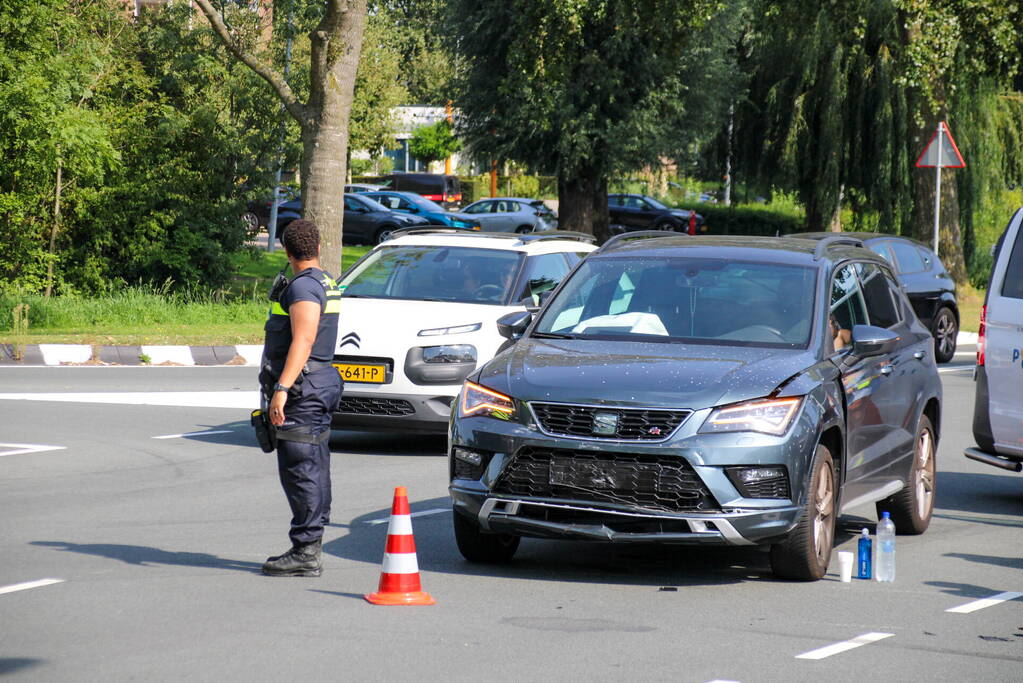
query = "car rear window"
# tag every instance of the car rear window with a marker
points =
(1012, 284)
(685, 299)
(429, 273)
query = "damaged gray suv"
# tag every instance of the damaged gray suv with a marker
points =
(736, 391)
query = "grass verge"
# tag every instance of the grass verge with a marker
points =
(149, 315)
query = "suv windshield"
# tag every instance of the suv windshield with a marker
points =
(427, 273)
(695, 300)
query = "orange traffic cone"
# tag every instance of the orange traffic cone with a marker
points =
(399, 580)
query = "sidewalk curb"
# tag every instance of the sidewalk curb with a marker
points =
(84, 354)
(240, 354)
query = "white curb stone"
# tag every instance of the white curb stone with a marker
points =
(55, 354)
(252, 353)
(179, 355)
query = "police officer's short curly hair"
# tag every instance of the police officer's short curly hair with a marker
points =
(302, 239)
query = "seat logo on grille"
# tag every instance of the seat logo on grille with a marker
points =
(605, 424)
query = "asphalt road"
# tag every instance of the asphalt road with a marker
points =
(157, 544)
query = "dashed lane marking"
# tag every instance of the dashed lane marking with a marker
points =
(844, 646)
(14, 588)
(21, 448)
(721, 680)
(422, 513)
(985, 602)
(187, 434)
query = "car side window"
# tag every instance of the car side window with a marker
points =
(352, 204)
(479, 207)
(884, 250)
(390, 201)
(909, 260)
(404, 204)
(542, 273)
(927, 257)
(504, 207)
(881, 308)
(847, 308)
(1012, 283)
(614, 200)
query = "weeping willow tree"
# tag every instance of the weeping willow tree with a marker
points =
(843, 95)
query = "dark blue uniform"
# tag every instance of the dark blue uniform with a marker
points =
(303, 449)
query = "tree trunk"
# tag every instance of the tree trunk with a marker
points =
(58, 189)
(582, 204)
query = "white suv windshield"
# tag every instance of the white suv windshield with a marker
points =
(685, 299)
(431, 273)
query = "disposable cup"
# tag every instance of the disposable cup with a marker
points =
(845, 565)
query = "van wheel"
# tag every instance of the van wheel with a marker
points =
(523, 229)
(805, 554)
(383, 234)
(945, 329)
(911, 508)
(478, 546)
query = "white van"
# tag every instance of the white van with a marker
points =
(998, 410)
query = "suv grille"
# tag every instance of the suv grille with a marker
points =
(365, 405)
(655, 482)
(633, 424)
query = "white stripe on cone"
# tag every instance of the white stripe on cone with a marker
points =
(400, 525)
(400, 563)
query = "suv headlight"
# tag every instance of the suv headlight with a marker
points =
(457, 329)
(769, 416)
(478, 400)
(451, 353)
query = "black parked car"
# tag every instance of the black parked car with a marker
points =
(631, 212)
(733, 391)
(366, 221)
(930, 288)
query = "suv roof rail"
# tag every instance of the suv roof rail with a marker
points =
(428, 230)
(835, 241)
(617, 240)
(556, 235)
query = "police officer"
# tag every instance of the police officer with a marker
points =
(303, 390)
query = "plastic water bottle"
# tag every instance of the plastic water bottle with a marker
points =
(886, 549)
(865, 555)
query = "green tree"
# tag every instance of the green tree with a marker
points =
(434, 142)
(580, 88)
(378, 88)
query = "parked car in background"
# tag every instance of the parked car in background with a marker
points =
(780, 383)
(362, 187)
(640, 212)
(412, 203)
(365, 221)
(512, 214)
(446, 190)
(420, 314)
(257, 212)
(930, 288)
(998, 405)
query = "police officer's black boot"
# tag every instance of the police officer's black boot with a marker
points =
(301, 560)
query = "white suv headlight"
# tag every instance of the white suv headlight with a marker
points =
(769, 416)
(457, 329)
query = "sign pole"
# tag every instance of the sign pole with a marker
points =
(937, 188)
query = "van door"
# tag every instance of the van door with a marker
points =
(1004, 342)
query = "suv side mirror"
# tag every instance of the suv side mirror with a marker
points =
(513, 325)
(868, 340)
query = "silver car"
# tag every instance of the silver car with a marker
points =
(998, 409)
(512, 214)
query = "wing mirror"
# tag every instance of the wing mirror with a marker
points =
(513, 325)
(868, 340)
(541, 301)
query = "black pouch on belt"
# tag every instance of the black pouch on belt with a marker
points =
(266, 433)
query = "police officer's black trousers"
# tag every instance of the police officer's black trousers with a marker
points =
(304, 468)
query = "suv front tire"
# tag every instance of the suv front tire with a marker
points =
(805, 554)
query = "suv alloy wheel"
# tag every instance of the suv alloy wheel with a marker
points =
(805, 554)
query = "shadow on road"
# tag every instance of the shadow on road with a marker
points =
(144, 555)
(963, 590)
(993, 494)
(10, 665)
(387, 443)
(1010, 562)
(549, 560)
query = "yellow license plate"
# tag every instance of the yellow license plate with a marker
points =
(358, 372)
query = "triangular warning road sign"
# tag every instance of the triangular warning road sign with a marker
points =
(941, 151)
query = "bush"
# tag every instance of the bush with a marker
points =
(755, 219)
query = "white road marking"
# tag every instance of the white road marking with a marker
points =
(14, 588)
(21, 448)
(180, 436)
(188, 399)
(423, 513)
(721, 680)
(985, 602)
(858, 641)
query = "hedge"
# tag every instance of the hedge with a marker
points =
(745, 220)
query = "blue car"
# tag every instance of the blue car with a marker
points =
(410, 202)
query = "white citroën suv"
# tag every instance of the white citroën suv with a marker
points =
(998, 409)
(419, 314)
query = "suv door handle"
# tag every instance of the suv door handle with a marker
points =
(919, 355)
(886, 370)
